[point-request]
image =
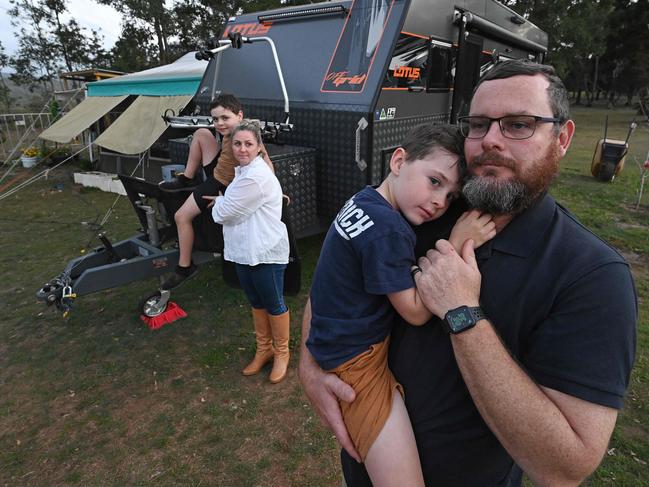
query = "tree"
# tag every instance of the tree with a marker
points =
(152, 17)
(151, 29)
(35, 61)
(47, 44)
(577, 32)
(627, 44)
(198, 21)
(5, 99)
(133, 50)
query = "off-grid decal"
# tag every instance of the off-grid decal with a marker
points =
(357, 46)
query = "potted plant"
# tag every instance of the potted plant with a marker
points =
(60, 154)
(30, 156)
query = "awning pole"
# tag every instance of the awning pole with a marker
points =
(90, 142)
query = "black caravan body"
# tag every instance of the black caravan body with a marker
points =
(360, 74)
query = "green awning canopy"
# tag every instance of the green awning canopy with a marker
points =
(181, 77)
(150, 87)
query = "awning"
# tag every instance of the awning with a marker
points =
(182, 77)
(80, 118)
(141, 124)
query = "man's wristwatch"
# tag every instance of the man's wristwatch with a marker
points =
(463, 318)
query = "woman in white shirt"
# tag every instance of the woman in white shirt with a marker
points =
(256, 240)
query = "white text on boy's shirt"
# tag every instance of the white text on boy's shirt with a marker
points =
(351, 221)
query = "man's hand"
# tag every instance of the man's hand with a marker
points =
(324, 389)
(448, 280)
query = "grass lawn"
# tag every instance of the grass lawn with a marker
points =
(99, 399)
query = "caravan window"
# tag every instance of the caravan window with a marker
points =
(439, 67)
(408, 64)
(420, 63)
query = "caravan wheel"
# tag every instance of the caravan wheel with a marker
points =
(155, 304)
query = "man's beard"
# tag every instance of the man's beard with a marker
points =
(497, 196)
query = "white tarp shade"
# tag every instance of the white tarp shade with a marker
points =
(80, 118)
(141, 124)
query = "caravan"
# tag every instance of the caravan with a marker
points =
(360, 74)
(336, 85)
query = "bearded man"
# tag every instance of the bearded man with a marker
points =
(528, 359)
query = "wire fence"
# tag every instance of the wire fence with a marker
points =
(21, 128)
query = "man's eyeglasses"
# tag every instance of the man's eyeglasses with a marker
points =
(511, 126)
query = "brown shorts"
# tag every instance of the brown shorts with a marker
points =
(371, 379)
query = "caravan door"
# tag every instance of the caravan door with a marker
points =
(467, 72)
(483, 41)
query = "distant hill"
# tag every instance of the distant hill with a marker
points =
(24, 100)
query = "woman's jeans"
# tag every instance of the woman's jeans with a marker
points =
(264, 286)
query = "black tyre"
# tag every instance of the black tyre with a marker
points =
(606, 172)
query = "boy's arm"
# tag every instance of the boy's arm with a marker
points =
(269, 162)
(474, 225)
(266, 157)
(410, 306)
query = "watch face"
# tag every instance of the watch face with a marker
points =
(460, 319)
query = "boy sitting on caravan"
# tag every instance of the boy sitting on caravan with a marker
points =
(364, 274)
(218, 162)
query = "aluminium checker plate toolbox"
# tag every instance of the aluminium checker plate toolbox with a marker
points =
(295, 167)
(179, 150)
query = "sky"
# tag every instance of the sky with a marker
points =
(87, 13)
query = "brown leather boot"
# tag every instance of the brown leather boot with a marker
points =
(264, 353)
(280, 326)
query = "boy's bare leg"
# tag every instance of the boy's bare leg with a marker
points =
(202, 151)
(393, 460)
(184, 216)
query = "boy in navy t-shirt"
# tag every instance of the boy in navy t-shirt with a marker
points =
(364, 275)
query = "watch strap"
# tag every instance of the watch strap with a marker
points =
(477, 313)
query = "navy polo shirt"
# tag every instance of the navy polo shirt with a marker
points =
(564, 304)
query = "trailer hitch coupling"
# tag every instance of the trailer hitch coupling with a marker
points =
(58, 292)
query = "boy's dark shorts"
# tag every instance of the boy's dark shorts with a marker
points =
(209, 187)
